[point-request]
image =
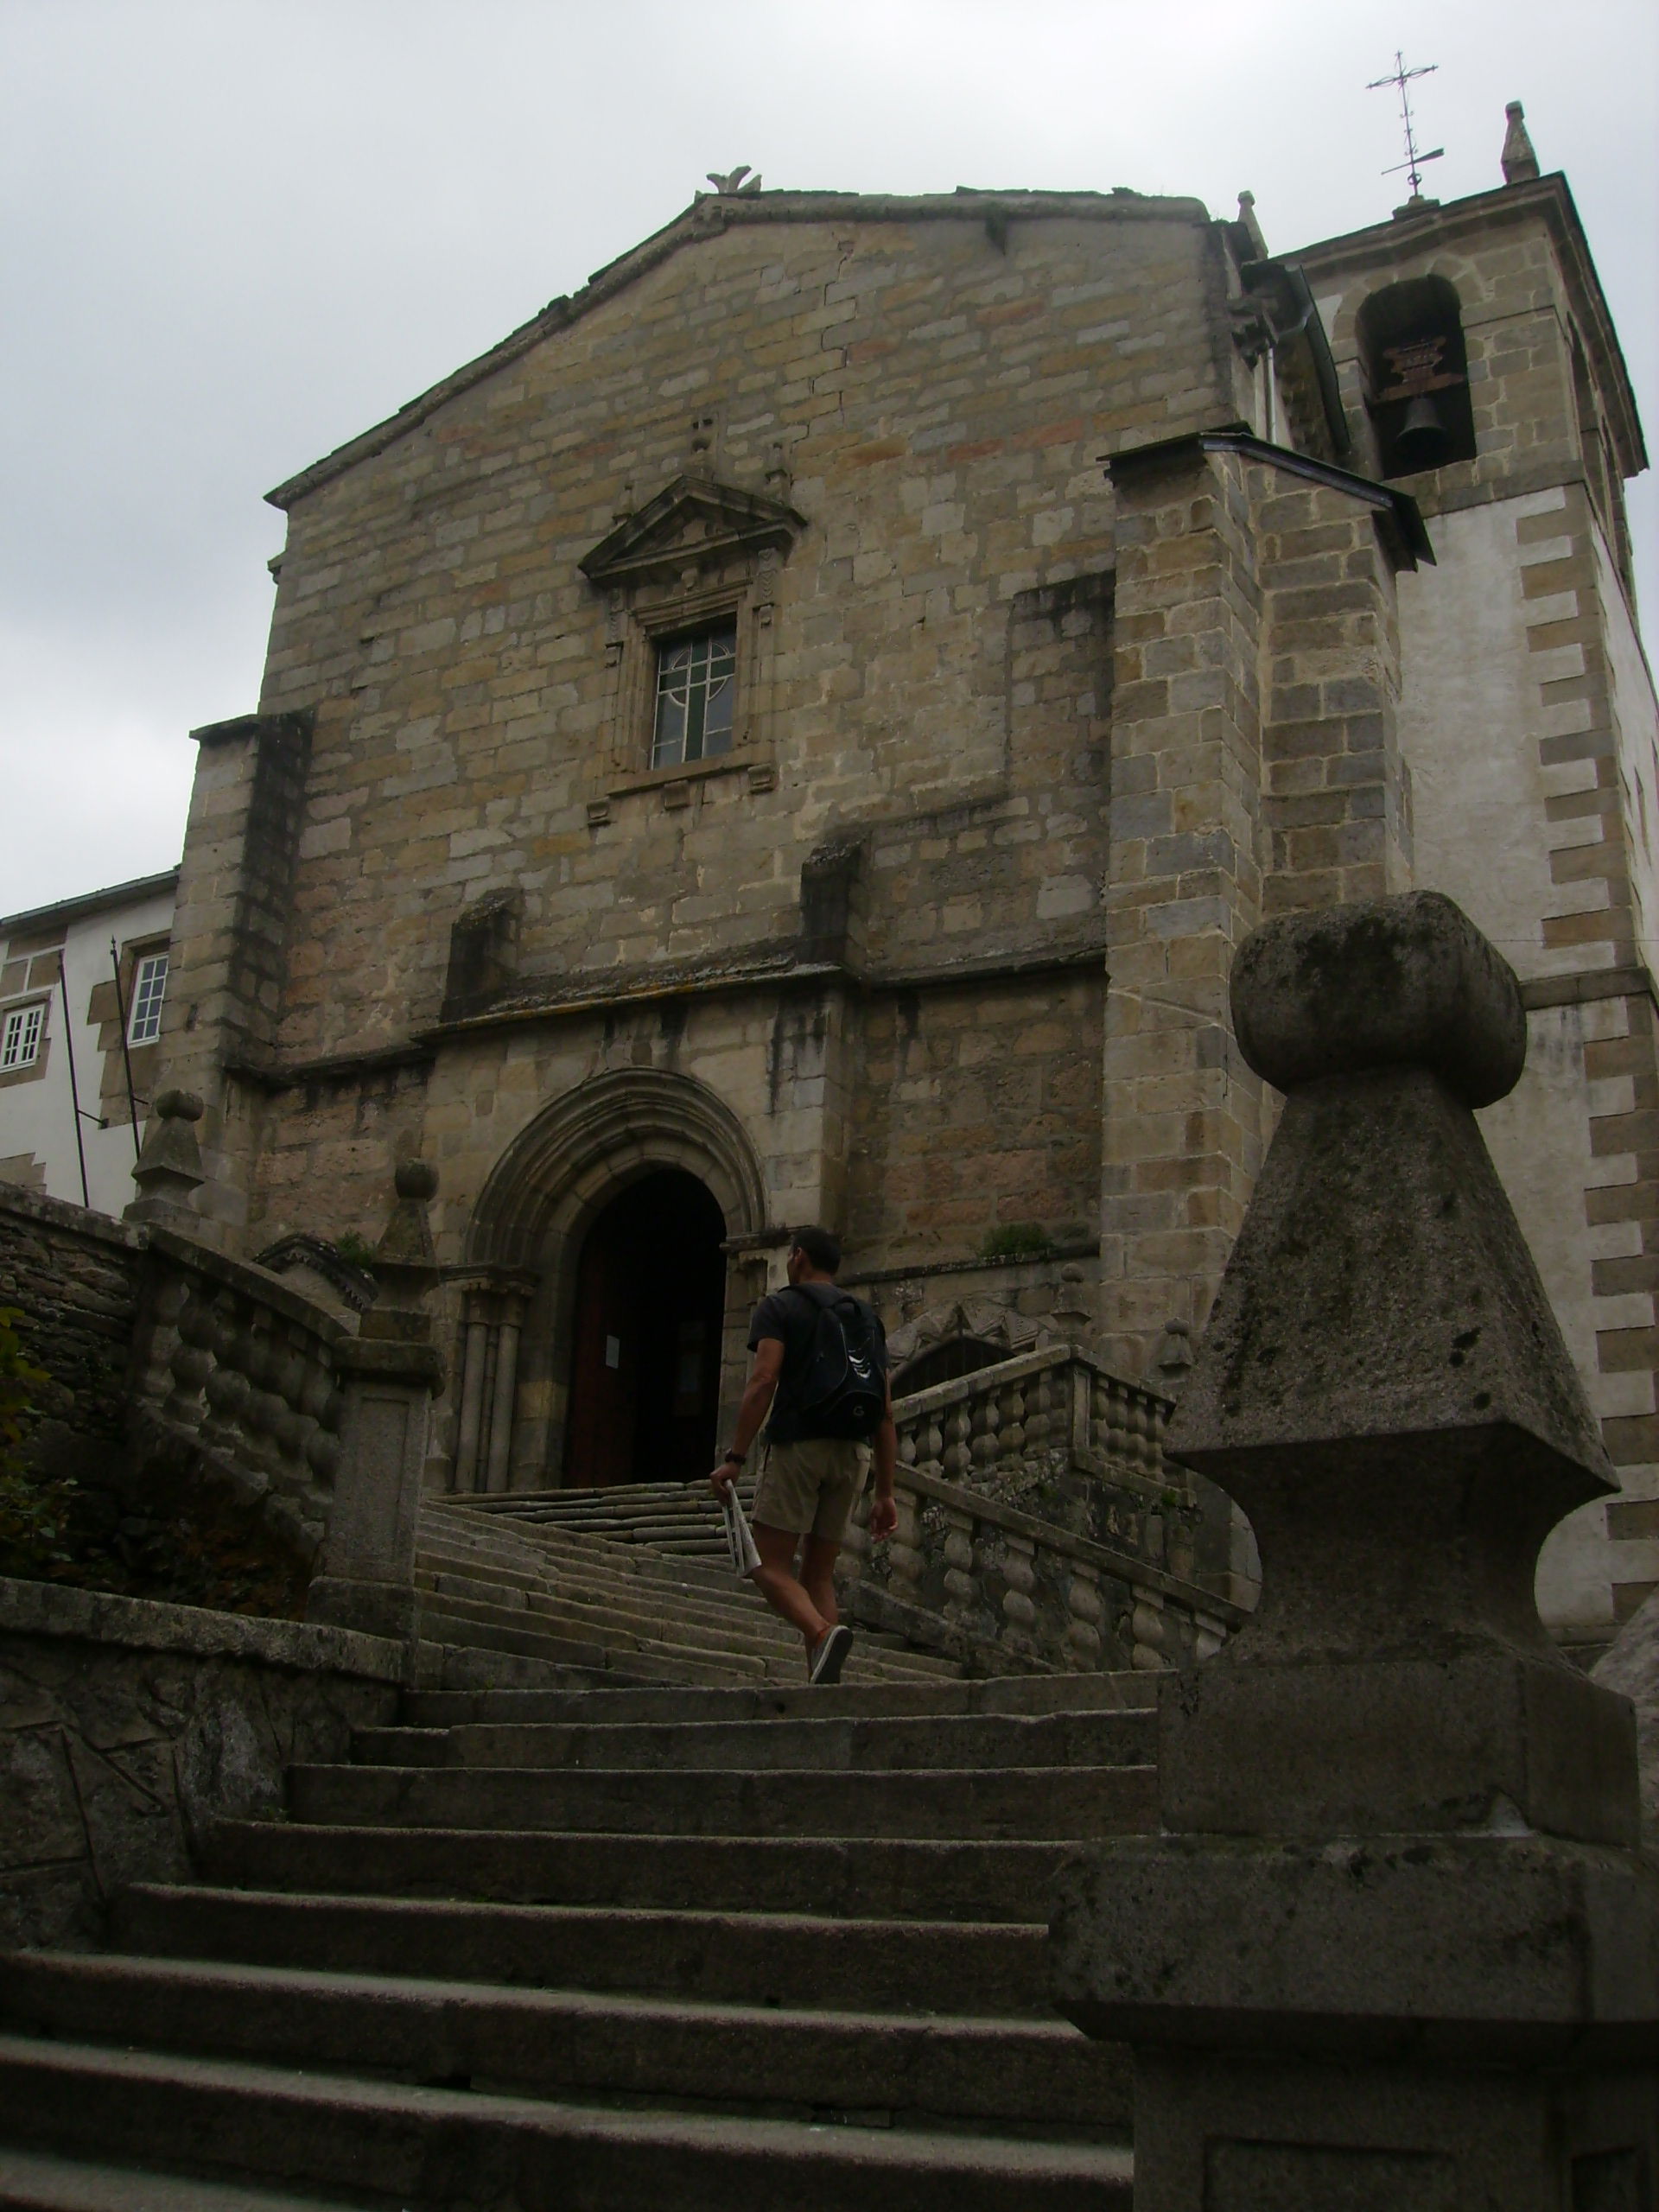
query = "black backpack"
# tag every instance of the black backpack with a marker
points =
(840, 1385)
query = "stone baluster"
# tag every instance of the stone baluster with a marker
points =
(932, 1453)
(1012, 1430)
(390, 1373)
(961, 1592)
(906, 1562)
(1147, 1636)
(1019, 1579)
(985, 1418)
(1088, 1610)
(959, 1457)
(1039, 1402)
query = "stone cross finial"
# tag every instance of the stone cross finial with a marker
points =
(729, 185)
(1520, 163)
(168, 1171)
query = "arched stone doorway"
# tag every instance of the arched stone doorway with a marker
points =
(549, 1192)
(650, 1313)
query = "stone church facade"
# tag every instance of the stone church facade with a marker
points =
(797, 731)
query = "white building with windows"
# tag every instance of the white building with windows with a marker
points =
(82, 986)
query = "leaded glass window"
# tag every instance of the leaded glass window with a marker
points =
(696, 678)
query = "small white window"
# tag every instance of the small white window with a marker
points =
(149, 989)
(20, 1040)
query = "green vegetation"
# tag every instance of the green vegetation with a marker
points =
(35, 1516)
(356, 1250)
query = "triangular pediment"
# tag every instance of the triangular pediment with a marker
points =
(695, 518)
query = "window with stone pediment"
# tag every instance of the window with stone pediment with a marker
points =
(689, 582)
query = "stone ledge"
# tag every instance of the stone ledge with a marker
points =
(49, 1609)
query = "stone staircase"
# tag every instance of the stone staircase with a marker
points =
(676, 1518)
(525, 1598)
(703, 1949)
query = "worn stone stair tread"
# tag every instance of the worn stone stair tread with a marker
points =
(1042, 1801)
(745, 1630)
(985, 1694)
(999, 1878)
(721, 2054)
(732, 1957)
(696, 1604)
(506, 1629)
(823, 1744)
(435, 2146)
(34, 2181)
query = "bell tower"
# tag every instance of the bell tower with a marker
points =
(1480, 373)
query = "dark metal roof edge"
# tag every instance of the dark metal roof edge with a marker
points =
(89, 902)
(1383, 499)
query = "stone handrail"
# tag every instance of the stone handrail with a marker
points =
(1053, 1430)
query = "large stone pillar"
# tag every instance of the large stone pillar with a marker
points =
(1182, 1134)
(390, 1373)
(1395, 1948)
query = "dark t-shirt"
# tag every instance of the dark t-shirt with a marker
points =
(790, 1319)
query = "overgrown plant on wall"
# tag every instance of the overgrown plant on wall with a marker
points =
(35, 1511)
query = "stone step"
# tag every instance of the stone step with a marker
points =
(391, 2143)
(898, 1878)
(743, 1628)
(1016, 1693)
(545, 1552)
(1038, 1803)
(436, 1557)
(504, 1628)
(34, 2181)
(734, 1957)
(510, 1628)
(861, 1744)
(575, 2043)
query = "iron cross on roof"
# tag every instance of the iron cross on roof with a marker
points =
(1414, 162)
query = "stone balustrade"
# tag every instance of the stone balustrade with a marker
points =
(1037, 1518)
(243, 1375)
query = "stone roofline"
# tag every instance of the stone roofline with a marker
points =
(1548, 199)
(709, 215)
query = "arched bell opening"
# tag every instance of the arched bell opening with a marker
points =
(646, 1335)
(1416, 376)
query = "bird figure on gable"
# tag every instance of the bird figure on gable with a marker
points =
(732, 183)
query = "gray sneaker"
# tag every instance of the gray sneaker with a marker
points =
(830, 1657)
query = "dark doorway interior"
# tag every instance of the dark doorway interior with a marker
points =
(650, 1300)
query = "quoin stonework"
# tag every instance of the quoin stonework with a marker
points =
(799, 730)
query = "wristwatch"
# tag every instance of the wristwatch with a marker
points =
(736, 1458)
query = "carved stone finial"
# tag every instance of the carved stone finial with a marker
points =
(1393, 1877)
(405, 1261)
(169, 1172)
(1520, 163)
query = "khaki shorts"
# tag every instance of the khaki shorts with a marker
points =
(810, 1488)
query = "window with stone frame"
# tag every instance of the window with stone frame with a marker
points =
(148, 989)
(697, 686)
(20, 1037)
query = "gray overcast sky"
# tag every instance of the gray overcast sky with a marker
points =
(235, 232)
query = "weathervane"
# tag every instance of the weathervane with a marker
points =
(1414, 162)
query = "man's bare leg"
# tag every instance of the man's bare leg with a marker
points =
(819, 1577)
(775, 1579)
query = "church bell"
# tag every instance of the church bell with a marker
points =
(1422, 441)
